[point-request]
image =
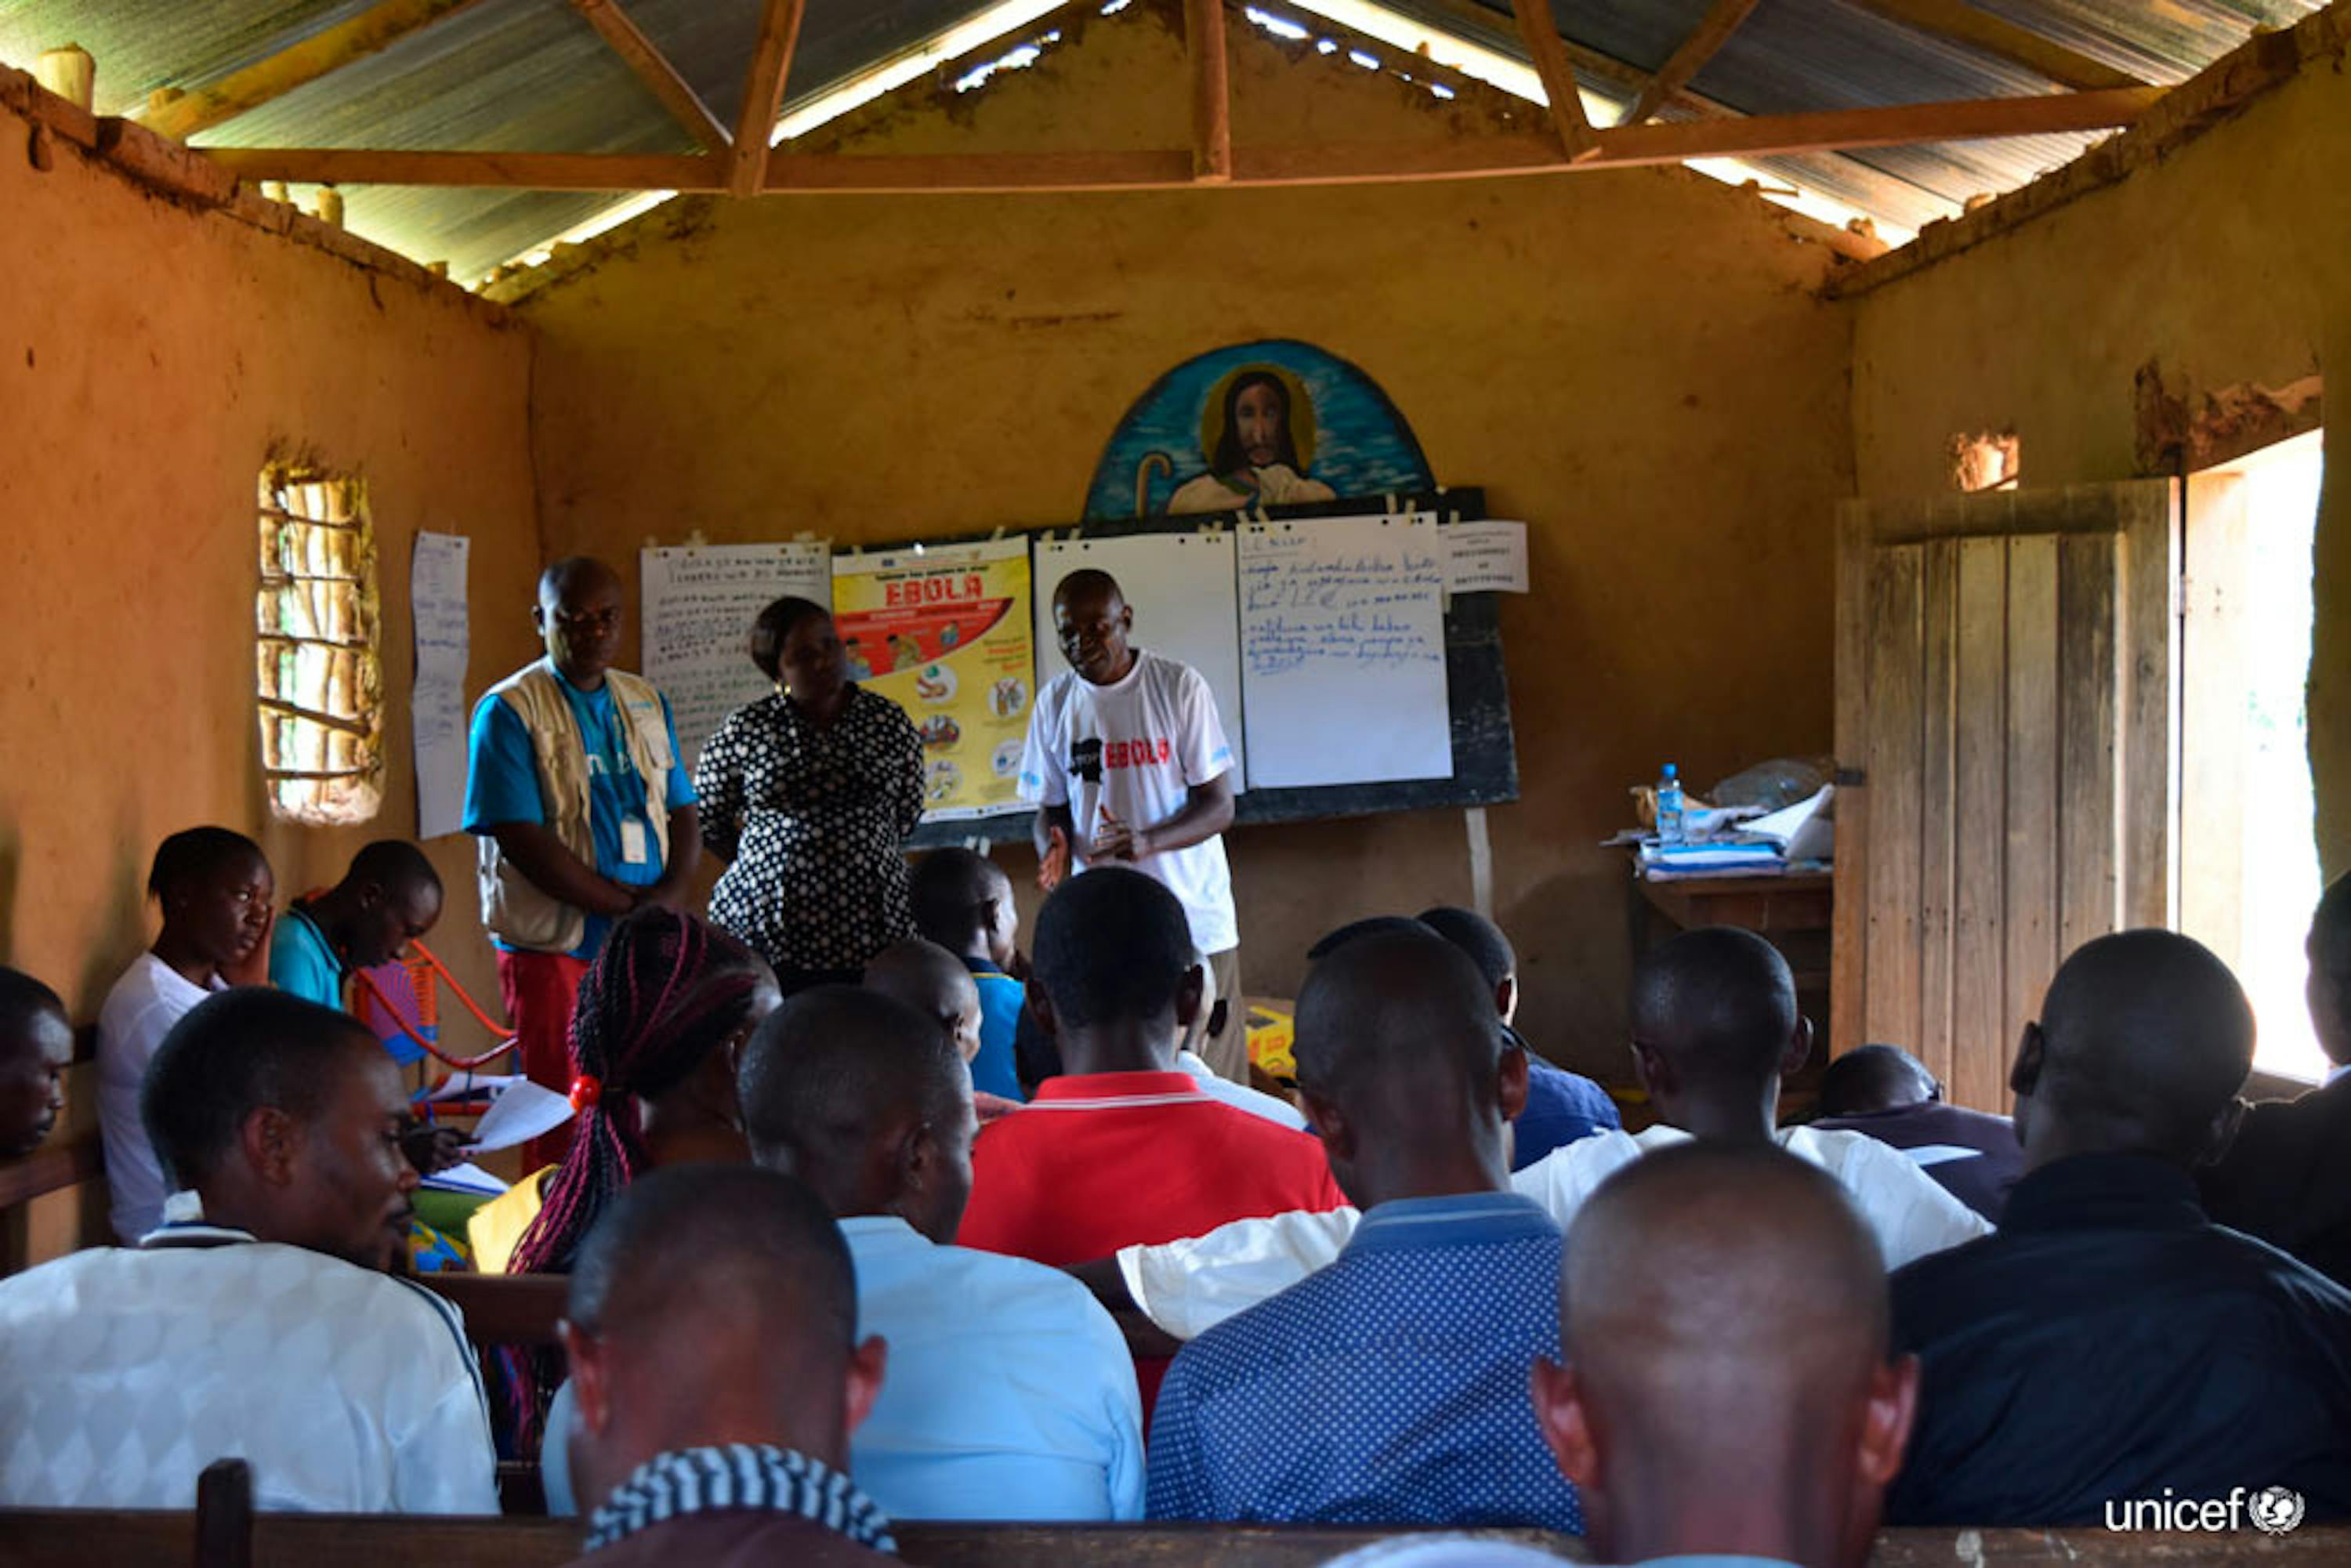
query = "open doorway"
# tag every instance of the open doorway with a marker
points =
(2249, 853)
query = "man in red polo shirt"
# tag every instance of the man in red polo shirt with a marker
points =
(1123, 1148)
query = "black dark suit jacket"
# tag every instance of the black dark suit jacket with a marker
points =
(2287, 1179)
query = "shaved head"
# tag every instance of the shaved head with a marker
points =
(867, 1101)
(935, 983)
(1875, 1078)
(2329, 991)
(1724, 1320)
(1089, 585)
(2144, 1039)
(713, 1303)
(1718, 1003)
(574, 574)
(954, 895)
(1403, 1061)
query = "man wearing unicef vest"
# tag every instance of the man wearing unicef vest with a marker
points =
(1129, 765)
(573, 786)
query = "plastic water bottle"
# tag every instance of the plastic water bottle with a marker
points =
(1669, 807)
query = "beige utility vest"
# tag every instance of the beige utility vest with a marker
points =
(514, 908)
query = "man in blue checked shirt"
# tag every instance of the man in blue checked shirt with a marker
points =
(1391, 1387)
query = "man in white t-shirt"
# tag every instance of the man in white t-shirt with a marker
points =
(1128, 764)
(257, 1322)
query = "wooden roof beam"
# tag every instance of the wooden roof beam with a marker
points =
(1713, 31)
(675, 93)
(1548, 51)
(296, 65)
(763, 94)
(1212, 92)
(1465, 157)
(504, 171)
(2004, 40)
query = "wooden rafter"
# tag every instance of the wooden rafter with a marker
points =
(1996, 35)
(510, 170)
(1548, 52)
(1465, 157)
(1212, 95)
(1713, 31)
(763, 94)
(1836, 131)
(281, 73)
(676, 94)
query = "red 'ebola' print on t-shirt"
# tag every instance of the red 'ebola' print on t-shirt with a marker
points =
(1136, 753)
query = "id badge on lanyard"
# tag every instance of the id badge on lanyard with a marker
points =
(636, 843)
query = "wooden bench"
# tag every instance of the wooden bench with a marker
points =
(225, 1532)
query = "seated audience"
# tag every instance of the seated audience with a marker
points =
(1714, 1027)
(2287, 1177)
(935, 983)
(1886, 1093)
(1010, 1395)
(1756, 1420)
(1562, 1106)
(36, 1047)
(661, 1017)
(1123, 1148)
(215, 889)
(1389, 1388)
(2111, 1342)
(962, 901)
(712, 1332)
(389, 898)
(1193, 1065)
(257, 1322)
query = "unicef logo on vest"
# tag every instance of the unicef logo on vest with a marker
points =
(2276, 1509)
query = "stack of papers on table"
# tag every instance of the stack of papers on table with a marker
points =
(1801, 837)
(466, 1178)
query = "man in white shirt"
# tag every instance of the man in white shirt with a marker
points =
(1715, 1027)
(257, 1322)
(1128, 764)
(1010, 1393)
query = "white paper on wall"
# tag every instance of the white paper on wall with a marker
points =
(1181, 588)
(699, 602)
(1343, 651)
(437, 597)
(1488, 555)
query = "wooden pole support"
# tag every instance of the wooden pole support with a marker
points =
(1212, 96)
(1540, 33)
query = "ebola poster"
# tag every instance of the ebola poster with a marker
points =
(945, 632)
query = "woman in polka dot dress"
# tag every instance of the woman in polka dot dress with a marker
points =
(808, 796)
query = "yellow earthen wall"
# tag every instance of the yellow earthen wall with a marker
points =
(1635, 361)
(151, 358)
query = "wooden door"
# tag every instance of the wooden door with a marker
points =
(2006, 669)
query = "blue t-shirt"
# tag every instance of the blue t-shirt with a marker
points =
(502, 785)
(302, 962)
(1001, 998)
(1562, 1106)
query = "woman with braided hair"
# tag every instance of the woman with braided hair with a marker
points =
(662, 1014)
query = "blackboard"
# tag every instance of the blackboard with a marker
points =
(1485, 747)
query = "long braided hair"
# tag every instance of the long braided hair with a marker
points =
(666, 990)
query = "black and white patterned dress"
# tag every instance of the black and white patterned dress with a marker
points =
(813, 823)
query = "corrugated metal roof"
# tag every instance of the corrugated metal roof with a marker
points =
(532, 75)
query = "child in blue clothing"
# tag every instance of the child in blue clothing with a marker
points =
(963, 901)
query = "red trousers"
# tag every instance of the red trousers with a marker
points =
(538, 989)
